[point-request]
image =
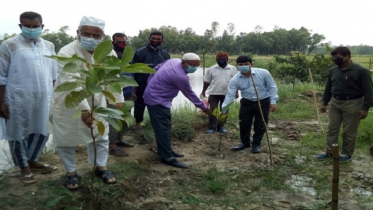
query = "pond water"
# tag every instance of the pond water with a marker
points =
(196, 81)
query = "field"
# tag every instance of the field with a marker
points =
(217, 179)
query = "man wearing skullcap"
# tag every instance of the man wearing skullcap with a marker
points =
(216, 79)
(26, 88)
(163, 87)
(69, 132)
(249, 110)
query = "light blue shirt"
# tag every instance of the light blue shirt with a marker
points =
(264, 82)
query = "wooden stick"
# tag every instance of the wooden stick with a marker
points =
(203, 60)
(265, 124)
(335, 176)
(314, 96)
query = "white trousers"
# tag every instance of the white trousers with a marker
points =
(67, 155)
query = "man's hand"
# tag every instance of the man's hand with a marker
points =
(4, 111)
(207, 111)
(134, 97)
(86, 118)
(202, 95)
(371, 150)
(323, 109)
(363, 114)
(272, 107)
(119, 105)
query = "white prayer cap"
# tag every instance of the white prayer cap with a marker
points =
(191, 57)
(92, 21)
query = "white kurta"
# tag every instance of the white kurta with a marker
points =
(69, 132)
(28, 78)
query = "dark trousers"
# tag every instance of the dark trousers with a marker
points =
(115, 135)
(139, 106)
(214, 101)
(249, 110)
(160, 118)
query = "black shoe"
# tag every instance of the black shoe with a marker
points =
(177, 155)
(240, 147)
(124, 144)
(255, 149)
(174, 163)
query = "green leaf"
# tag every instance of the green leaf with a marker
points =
(74, 58)
(114, 87)
(113, 123)
(127, 106)
(100, 127)
(79, 80)
(60, 191)
(215, 112)
(53, 202)
(75, 97)
(101, 75)
(72, 208)
(93, 85)
(222, 118)
(125, 81)
(71, 68)
(129, 119)
(109, 96)
(138, 68)
(120, 124)
(127, 55)
(67, 86)
(77, 114)
(113, 73)
(85, 72)
(226, 108)
(113, 113)
(102, 50)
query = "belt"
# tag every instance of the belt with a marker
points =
(343, 98)
(255, 101)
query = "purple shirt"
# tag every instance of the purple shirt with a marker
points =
(164, 86)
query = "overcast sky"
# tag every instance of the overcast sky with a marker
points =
(343, 22)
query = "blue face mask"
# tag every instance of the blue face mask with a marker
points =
(244, 69)
(32, 33)
(89, 44)
(191, 69)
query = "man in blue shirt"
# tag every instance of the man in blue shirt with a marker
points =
(249, 111)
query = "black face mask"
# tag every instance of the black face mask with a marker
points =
(119, 47)
(155, 44)
(338, 61)
(222, 63)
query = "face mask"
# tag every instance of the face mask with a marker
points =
(338, 61)
(155, 44)
(119, 47)
(244, 69)
(191, 69)
(89, 44)
(222, 63)
(31, 33)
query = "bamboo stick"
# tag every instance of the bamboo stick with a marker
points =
(335, 177)
(314, 96)
(265, 124)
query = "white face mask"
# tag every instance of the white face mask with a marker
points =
(89, 44)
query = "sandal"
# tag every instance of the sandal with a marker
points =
(105, 175)
(43, 168)
(71, 180)
(28, 179)
(118, 152)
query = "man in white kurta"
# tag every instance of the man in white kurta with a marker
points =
(68, 132)
(26, 87)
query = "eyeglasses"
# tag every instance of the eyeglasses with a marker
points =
(95, 36)
(155, 39)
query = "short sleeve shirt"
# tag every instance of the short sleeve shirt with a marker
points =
(219, 78)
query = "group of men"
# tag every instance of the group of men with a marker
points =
(27, 79)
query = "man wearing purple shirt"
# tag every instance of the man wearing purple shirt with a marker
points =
(163, 87)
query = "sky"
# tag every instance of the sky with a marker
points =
(342, 22)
